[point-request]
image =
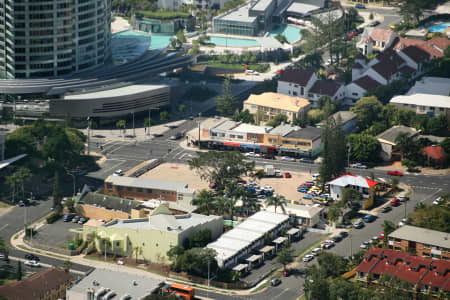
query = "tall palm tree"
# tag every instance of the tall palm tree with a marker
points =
(204, 201)
(137, 250)
(23, 174)
(276, 201)
(249, 201)
(12, 181)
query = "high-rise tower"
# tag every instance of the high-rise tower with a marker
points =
(46, 38)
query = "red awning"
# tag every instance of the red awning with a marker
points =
(231, 144)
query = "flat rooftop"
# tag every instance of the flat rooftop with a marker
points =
(422, 235)
(163, 222)
(146, 183)
(122, 91)
(239, 15)
(431, 85)
(262, 5)
(120, 282)
(278, 101)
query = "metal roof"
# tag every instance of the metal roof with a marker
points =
(422, 235)
(146, 183)
(423, 100)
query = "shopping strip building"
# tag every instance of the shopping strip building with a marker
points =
(60, 59)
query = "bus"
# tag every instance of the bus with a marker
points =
(185, 291)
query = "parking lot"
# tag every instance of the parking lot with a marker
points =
(181, 173)
(56, 234)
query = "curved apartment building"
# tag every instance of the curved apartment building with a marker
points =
(47, 38)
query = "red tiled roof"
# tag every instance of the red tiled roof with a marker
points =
(416, 54)
(434, 152)
(298, 76)
(379, 34)
(385, 69)
(36, 286)
(367, 83)
(370, 259)
(432, 49)
(325, 87)
(439, 42)
(439, 275)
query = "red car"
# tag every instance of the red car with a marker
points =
(395, 202)
(286, 273)
(381, 236)
(394, 173)
(287, 175)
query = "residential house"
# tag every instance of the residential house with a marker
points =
(422, 241)
(378, 39)
(435, 155)
(348, 121)
(304, 83)
(356, 182)
(360, 87)
(424, 104)
(303, 215)
(49, 284)
(425, 275)
(154, 235)
(435, 47)
(415, 59)
(295, 141)
(107, 284)
(431, 85)
(238, 245)
(387, 140)
(272, 104)
(146, 189)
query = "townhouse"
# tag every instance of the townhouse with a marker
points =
(356, 182)
(377, 39)
(424, 275)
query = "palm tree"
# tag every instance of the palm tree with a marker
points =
(137, 250)
(249, 201)
(92, 238)
(276, 201)
(405, 144)
(204, 201)
(388, 227)
(23, 174)
(12, 181)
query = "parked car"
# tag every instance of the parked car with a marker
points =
(374, 23)
(365, 245)
(308, 257)
(360, 6)
(381, 236)
(75, 219)
(32, 263)
(395, 202)
(82, 221)
(176, 136)
(369, 218)
(337, 238)
(316, 251)
(308, 197)
(315, 177)
(275, 281)
(286, 273)
(358, 166)
(306, 160)
(386, 209)
(343, 234)
(375, 238)
(437, 201)
(68, 217)
(120, 262)
(403, 198)
(287, 175)
(287, 158)
(358, 224)
(394, 173)
(31, 256)
(118, 173)
(402, 222)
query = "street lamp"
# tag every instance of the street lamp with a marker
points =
(149, 118)
(349, 148)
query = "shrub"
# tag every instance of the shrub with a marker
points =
(52, 218)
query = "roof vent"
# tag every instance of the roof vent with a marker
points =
(135, 283)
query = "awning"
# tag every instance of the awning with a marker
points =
(231, 144)
(279, 240)
(293, 231)
(266, 249)
(240, 267)
(250, 146)
(269, 147)
(254, 258)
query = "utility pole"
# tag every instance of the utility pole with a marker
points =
(88, 133)
(349, 148)
(199, 134)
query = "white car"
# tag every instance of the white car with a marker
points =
(308, 257)
(32, 263)
(365, 245)
(437, 201)
(375, 238)
(287, 158)
(118, 173)
(120, 262)
(358, 166)
(316, 251)
(402, 222)
(268, 188)
(251, 154)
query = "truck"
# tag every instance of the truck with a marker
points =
(269, 170)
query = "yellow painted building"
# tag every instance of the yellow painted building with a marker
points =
(271, 104)
(151, 237)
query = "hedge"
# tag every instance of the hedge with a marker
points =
(52, 218)
(163, 14)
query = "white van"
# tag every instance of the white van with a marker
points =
(315, 176)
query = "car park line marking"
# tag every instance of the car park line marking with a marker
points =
(4, 226)
(115, 166)
(431, 196)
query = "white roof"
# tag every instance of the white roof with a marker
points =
(123, 91)
(239, 15)
(423, 100)
(252, 128)
(244, 234)
(147, 183)
(431, 85)
(7, 162)
(302, 211)
(347, 179)
(302, 8)
(262, 5)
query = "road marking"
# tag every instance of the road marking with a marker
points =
(431, 196)
(3, 227)
(114, 167)
(44, 265)
(279, 295)
(125, 157)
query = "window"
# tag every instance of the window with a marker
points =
(294, 93)
(232, 136)
(354, 94)
(441, 109)
(149, 191)
(109, 186)
(302, 91)
(119, 188)
(139, 190)
(129, 188)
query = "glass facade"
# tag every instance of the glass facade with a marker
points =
(47, 38)
(237, 28)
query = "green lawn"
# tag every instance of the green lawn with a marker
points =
(4, 205)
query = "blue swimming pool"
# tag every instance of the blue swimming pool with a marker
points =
(233, 42)
(158, 41)
(291, 33)
(438, 27)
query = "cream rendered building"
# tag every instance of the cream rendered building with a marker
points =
(153, 236)
(268, 105)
